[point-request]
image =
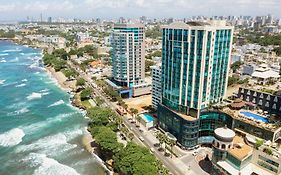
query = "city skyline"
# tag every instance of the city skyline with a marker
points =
(86, 9)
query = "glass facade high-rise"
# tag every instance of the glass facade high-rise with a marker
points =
(128, 47)
(195, 64)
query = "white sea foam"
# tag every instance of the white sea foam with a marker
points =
(36, 95)
(2, 81)
(20, 111)
(34, 65)
(60, 102)
(52, 145)
(21, 85)
(14, 60)
(24, 80)
(48, 166)
(4, 54)
(36, 127)
(11, 50)
(3, 61)
(11, 137)
(44, 90)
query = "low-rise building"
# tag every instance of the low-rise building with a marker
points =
(239, 158)
(248, 69)
(264, 75)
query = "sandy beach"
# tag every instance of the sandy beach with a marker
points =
(61, 79)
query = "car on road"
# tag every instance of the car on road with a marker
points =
(141, 138)
(152, 150)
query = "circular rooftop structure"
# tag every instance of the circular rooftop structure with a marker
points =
(224, 134)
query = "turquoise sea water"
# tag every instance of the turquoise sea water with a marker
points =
(40, 132)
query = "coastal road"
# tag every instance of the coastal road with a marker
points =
(146, 142)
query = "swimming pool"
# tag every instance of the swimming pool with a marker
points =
(255, 116)
(147, 118)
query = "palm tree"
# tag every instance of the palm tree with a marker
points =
(124, 130)
(118, 121)
(161, 137)
(131, 136)
(171, 143)
(138, 119)
(133, 111)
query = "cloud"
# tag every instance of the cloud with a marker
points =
(136, 8)
(6, 7)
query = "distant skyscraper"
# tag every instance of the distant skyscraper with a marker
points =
(195, 65)
(143, 19)
(269, 19)
(128, 62)
(122, 20)
(41, 17)
(50, 20)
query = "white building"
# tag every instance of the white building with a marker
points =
(156, 85)
(264, 75)
(128, 54)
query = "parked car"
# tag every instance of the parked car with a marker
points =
(141, 138)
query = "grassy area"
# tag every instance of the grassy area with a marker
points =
(86, 104)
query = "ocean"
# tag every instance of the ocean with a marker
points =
(40, 132)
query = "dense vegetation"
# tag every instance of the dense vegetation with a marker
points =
(264, 39)
(89, 49)
(236, 65)
(52, 60)
(154, 33)
(80, 82)
(85, 94)
(9, 34)
(131, 159)
(148, 63)
(235, 80)
(157, 53)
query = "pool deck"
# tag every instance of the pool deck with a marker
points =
(253, 115)
(236, 115)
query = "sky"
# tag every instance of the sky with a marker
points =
(113, 9)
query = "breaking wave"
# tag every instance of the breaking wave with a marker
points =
(60, 102)
(11, 137)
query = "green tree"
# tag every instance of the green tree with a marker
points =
(80, 82)
(131, 136)
(138, 118)
(107, 139)
(61, 53)
(236, 65)
(135, 160)
(171, 143)
(154, 33)
(133, 111)
(232, 80)
(157, 53)
(148, 64)
(162, 139)
(125, 130)
(258, 143)
(99, 101)
(85, 94)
